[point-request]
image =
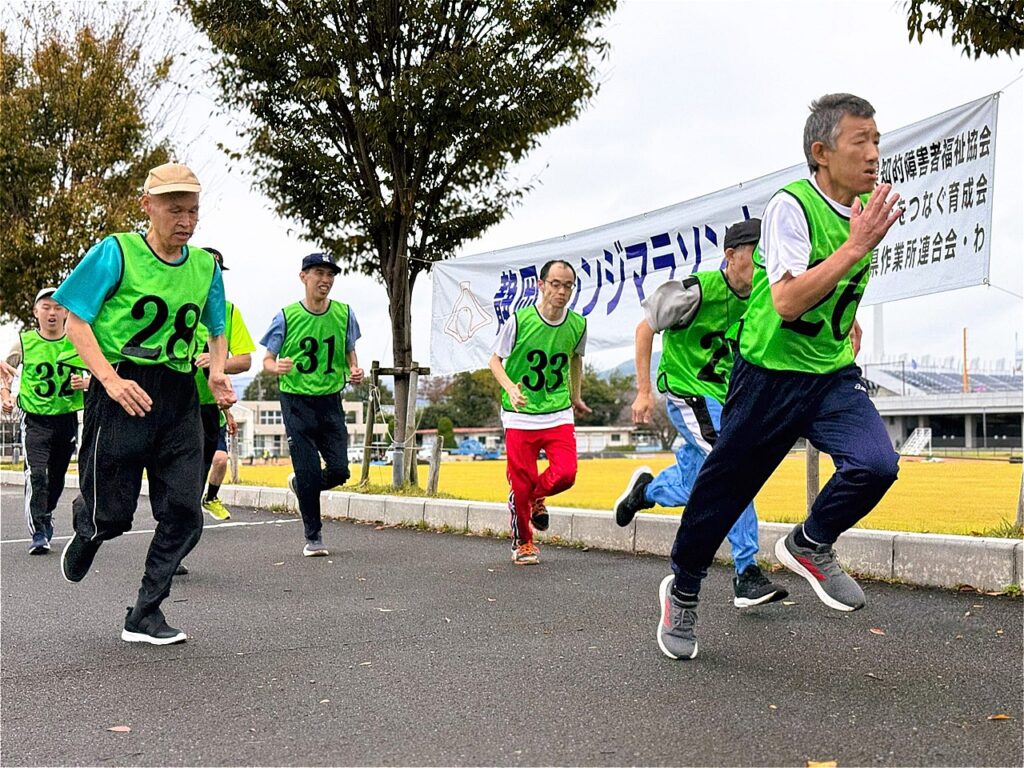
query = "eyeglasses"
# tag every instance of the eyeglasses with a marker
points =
(558, 285)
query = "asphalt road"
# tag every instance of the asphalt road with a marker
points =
(419, 648)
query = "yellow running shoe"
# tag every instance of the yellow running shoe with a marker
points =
(217, 509)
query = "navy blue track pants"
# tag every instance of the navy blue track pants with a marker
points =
(765, 413)
(316, 427)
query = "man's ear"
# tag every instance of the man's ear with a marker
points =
(819, 151)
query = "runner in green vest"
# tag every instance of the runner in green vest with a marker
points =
(538, 361)
(217, 424)
(794, 375)
(311, 346)
(694, 315)
(135, 302)
(50, 398)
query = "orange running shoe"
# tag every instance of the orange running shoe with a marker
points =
(526, 554)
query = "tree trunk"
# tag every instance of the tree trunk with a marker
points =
(401, 341)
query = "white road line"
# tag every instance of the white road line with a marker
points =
(151, 530)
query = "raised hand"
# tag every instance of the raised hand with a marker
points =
(870, 223)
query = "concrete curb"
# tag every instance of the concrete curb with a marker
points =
(927, 559)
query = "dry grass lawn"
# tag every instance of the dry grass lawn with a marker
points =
(951, 496)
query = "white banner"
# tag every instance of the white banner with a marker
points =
(942, 167)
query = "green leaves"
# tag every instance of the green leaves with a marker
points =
(607, 397)
(992, 27)
(387, 127)
(74, 144)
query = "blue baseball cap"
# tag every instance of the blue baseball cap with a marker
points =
(320, 260)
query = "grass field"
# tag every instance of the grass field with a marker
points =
(960, 497)
(949, 496)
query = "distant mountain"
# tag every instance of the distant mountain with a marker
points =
(628, 367)
(239, 383)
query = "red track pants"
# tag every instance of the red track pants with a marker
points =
(523, 446)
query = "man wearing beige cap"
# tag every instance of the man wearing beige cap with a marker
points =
(135, 302)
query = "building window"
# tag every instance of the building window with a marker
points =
(616, 438)
(350, 417)
(271, 417)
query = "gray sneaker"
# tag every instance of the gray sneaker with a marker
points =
(315, 548)
(820, 566)
(292, 486)
(676, 636)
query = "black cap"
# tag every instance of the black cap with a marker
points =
(217, 256)
(744, 233)
(320, 260)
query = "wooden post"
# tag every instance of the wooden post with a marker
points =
(371, 417)
(813, 479)
(1020, 503)
(410, 426)
(435, 467)
(234, 456)
(1020, 500)
(397, 464)
(399, 476)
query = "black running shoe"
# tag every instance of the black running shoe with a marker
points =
(752, 588)
(77, 557)
(151, 628)
(632, 499)
(539, 517)
(181, 570)
(40, 544)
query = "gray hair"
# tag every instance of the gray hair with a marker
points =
(823, 122)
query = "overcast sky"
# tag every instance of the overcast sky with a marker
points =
(695, 96)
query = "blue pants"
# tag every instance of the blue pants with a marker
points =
(698, 421)
(765, 413)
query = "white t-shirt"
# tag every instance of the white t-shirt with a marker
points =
(785, 240)
(503, 348)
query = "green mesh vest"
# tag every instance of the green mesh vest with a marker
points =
(818, 341)
(203, 374)
(696, 359)
(540, 358)
(152, 316)
(45, 381)
(316, 345)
